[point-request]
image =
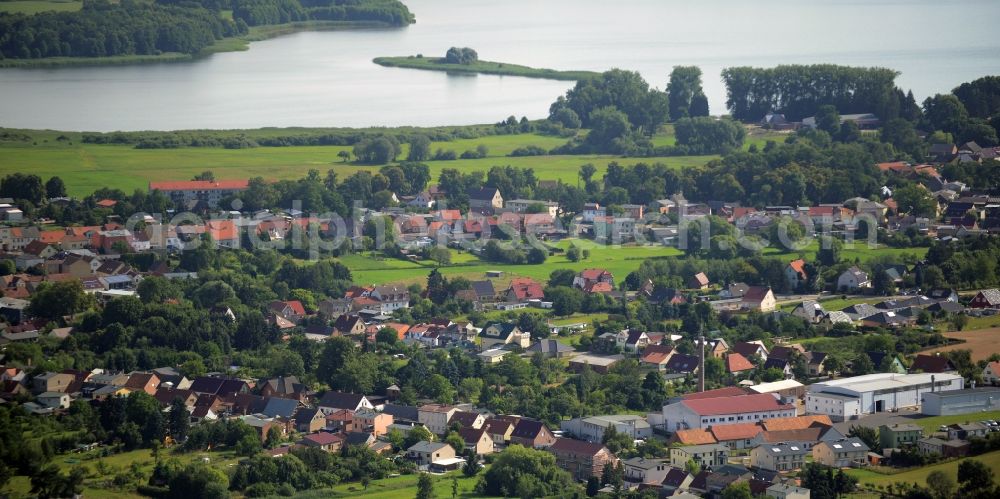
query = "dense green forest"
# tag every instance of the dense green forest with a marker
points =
(797, 91)
(134, 27)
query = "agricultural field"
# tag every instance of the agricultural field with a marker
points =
(87, 167)
(990, 459)
(982, 342)
(36, 6)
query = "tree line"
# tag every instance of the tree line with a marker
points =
(264, 12)
(798, 90)
(103, 28)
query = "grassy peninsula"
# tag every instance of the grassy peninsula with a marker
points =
(481, 67)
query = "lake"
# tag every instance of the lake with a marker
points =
(328, 79)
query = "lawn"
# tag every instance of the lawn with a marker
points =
(619, 260)
(991, 459)
(87, 167)
(403, 487)
(856, 251)
(932, 423)
(36, 6)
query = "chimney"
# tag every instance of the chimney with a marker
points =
(701, 363)
(932, 383)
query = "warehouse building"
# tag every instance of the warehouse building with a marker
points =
(851, 398)
(960, 401)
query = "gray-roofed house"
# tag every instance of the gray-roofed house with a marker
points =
(551, 348)
(485, 200)
(424, 453)
(779, 457)
(484, 290)
(852, 279)
(847, 453)
(859, 311)
(706, 455)
(503, 333)
(332, 401)
(899, 435)
(280, 407)
(809, 311)
(986, 298)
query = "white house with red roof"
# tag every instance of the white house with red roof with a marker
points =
(289, 309)
(991, 373)
(706, 412)
(795, 273)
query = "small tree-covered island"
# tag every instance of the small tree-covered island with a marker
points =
(793, 295)
(466, 60)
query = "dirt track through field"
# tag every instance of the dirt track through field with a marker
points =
(982, 342)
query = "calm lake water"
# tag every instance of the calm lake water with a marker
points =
(328, 79)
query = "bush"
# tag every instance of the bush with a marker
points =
(463, 55)
(528, 151)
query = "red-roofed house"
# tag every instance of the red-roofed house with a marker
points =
(737, 364)
(894, 167)
(224, 233)
(932, 364)
(523, 289)
(991, 373)
(581, 459)
(736, 436)
(448, 215)
(729, 391)
(590, 277)
(795, 273)
(330, 442)
(709, 412)
(695, 436)
(698, 281)
(106, 203)
(289, 309)
(656, 356)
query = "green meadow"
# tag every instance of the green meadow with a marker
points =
(87, 167)
(919, 475)
(36, 6)
(619, 260)
(371, 268)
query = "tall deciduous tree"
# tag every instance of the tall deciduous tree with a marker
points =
(684, 85)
